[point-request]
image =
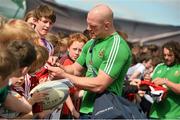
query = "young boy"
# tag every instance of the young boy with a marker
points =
(25, 54)
(8, 64)
(45, 19)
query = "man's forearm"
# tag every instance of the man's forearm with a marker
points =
(175, 87)
(83, 82)
(94, 84)
(71, 69)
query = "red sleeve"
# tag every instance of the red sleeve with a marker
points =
(34, 82)
(67, 62)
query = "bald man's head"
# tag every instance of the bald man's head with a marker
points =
(102, 12)
(100, 21)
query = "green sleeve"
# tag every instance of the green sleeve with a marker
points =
(117, 58)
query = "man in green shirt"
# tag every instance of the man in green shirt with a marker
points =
(106, 57)
(168, 74)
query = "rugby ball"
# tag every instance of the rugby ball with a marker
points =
(57, 93)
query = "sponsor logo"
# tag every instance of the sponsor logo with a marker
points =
(101, 53)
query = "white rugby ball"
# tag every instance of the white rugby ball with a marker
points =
(57, 93)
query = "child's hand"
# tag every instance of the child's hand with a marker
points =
(75, 114)
(38, 97)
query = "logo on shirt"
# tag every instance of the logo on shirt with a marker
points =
(101, 53)
(177, 73)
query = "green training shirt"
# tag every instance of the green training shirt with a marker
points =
(169, 107)
(111, 55)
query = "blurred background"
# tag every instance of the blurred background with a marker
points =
(144, 21)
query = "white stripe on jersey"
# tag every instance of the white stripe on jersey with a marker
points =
(113, 54)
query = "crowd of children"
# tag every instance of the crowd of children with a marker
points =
(28, 50)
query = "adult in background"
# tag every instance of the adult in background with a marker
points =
(168, 74)
(106, 57)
